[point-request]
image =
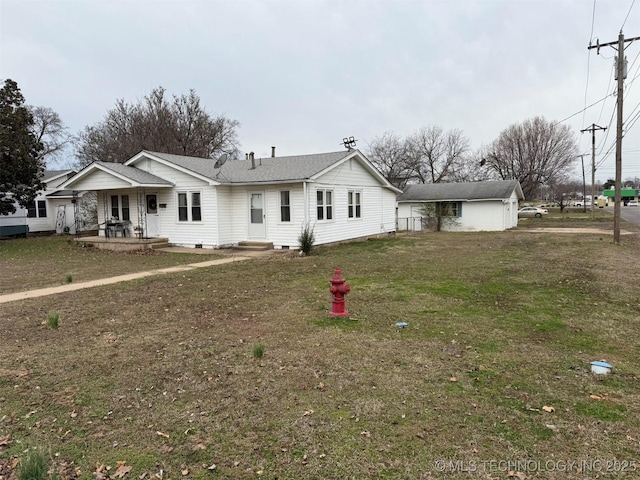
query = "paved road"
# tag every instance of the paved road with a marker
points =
(629, 214)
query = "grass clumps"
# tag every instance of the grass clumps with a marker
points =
(53, 320)
(33, 466)
(258, 350)
(68, 278)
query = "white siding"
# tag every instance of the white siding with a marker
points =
(489, 215)
(100, 180)
(378, 204)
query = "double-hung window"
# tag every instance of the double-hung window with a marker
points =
(189, 207)
(120, 207)
(353, 202)
(285, 206)
(324, 204)
(37, 209)
(451, 209)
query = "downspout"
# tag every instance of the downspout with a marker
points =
(306, 203)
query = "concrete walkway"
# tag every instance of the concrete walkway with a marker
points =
(41, 292)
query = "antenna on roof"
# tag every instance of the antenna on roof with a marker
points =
(221, 160)
(349, 142)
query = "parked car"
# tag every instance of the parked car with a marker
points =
(632, 204)
(531, 212)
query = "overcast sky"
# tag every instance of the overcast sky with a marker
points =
(302, 75)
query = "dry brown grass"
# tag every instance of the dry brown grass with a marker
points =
(160, 373)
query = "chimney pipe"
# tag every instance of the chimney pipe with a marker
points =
(273, 152)
(253, 161)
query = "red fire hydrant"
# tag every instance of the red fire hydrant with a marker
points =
(339, 288)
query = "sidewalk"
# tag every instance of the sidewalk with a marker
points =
(41, 292)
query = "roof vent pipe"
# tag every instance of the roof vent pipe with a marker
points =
(253, 161)
(246, 156)
(273, 152)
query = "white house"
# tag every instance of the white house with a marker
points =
(53, 210)
(200, 202)
(472, 206)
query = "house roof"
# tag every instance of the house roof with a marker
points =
(240, 172)
(65, 194)
(267, 170)
(49, 175)
(470, 191)
(132, 175)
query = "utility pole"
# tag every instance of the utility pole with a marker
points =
(584, 187)
(592, 129)
(620, 75)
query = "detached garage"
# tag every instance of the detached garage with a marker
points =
(463, 207)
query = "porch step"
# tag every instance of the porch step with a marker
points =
(254, 246)
(159, 245)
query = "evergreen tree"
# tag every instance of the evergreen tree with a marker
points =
(21, 167)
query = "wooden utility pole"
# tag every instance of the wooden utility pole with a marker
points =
(584, 187)
(620, 75)
(592, 129)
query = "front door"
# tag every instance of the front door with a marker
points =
(153, 222)
(257, 228)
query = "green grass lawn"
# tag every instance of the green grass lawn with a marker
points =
(492, 372)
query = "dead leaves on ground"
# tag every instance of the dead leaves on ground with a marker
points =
(102, 472)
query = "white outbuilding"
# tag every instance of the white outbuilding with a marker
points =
(465, 207)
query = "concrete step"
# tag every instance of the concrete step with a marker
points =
(157, 246)
(254, 246)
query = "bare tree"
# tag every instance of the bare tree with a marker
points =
(535, 152)
(435, 155)
(389, 154)
(181, 126)
(473, 168)
(563, 191)
(50, 132)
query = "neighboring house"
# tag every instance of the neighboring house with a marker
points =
(473, 206)
(53, 210)
(200, 202)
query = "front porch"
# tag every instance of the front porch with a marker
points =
(123, 244)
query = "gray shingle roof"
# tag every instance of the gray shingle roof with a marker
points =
(49, 174)
(134, 174)
(269, 169)
(495, 189)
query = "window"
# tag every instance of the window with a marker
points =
(189, 202)
(324, 203)
(285, 206)
(353, 201)
(37, 209)
(126, 215)
(120, 207)
(42, 208)
(32, 211)
(451, 209)
(115, 210)
(196, 212)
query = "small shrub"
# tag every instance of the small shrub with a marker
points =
(33, 466)
(53, 320)
(68, 279)
(306, 239)
(258, 350)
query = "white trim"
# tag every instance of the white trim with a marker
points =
(167, 163)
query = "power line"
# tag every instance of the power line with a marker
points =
(586, 86)
(586, 108)
(625, 18)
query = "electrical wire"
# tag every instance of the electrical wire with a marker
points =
(579, 112)
(625, 18)
(608, 87)
(586, 86)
